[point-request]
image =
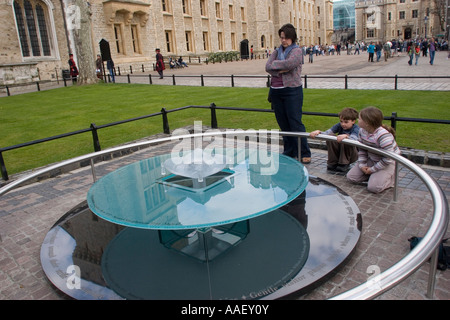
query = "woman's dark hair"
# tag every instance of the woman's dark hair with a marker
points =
(289, 32)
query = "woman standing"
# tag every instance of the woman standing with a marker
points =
(286, 91)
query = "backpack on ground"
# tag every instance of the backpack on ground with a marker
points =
(444, 252)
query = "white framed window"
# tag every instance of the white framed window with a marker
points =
(34, 28)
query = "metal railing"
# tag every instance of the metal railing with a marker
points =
(231, 78)
(166, 128)
(427, 247)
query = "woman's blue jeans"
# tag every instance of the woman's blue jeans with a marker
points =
(287, 104)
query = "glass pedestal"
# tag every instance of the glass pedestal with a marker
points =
(205, 244)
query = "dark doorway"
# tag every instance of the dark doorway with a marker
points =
(244, 49)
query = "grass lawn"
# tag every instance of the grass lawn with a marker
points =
(44, 114)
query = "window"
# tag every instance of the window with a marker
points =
(169, 42)
(233, 41)
(402, 1)
(205, 41)
(220, 40)
(231, 12)
(32, 24)
(389, 16)
(165, 5)
(218, 10)
(118, 38)
(203, 11)
(242, 13)
(370, 33)
(186, 6)
(189, 45)
(318, 10)
(135, 39)
(263, 41)
(415, 13)
(401, 15)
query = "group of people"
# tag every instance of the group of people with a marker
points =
(109, 66)
(286, 97)
(174, 63)
(415, 48)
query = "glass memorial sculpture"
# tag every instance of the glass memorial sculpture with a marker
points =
(242, 223)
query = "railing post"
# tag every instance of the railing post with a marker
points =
(129, 79)
(95, 137)
(396, 181)
(213, 116)
(38, 86)
(268, 81)
(396, 82)
(3, 168)
(166, 128)
(346, 82)
(432, 273)
(150, 78)
(232, 81)
(306, 81)
(9, 93)
(131, 69)
(118, 69)
(173, 79)
(394, 120)
(202, 81)
(143, 68)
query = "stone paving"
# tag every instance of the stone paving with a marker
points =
(28, 212)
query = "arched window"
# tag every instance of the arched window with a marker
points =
(33, 27)
(263, 41)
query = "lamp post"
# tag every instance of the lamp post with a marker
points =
(426, 20)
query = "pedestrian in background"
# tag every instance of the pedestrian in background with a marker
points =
(110, 66)
(160, 63)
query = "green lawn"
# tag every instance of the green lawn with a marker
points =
(43, 114)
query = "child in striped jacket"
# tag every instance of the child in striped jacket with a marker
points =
(376, 169)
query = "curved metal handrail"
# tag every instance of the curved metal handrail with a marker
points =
(427, 247)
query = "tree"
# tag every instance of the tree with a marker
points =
(440, 10)
(83, 44)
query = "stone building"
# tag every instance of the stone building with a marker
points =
(37, 35)
(383, 20)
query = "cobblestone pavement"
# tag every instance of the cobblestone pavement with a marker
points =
(28, 212)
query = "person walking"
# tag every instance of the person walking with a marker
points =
(378, 50)
(417, 53)
(411, 50)
(371, 51)
(73, 69)
(286, 92)
(110, 66)
(99, 67)
(160, 63)
(432, 50)
(386, 50)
